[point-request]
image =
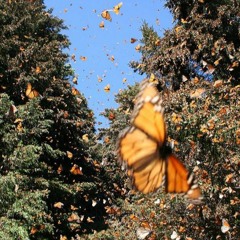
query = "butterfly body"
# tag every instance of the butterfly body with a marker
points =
(143, 149)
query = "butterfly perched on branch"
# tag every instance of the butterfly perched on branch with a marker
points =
(31, 92)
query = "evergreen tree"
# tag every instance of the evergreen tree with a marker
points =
(52, 186)
(204, 40)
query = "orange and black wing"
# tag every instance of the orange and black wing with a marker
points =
(140, 154)
(30, 92)
(75, 92)
(106, 15)
(148, 113)
(179, 180)
(139, 145)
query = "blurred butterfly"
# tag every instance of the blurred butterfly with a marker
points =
(11, 112)
(69, 154)
(75, 79)
(142, 233)
(106, 15)
(101, 24)
(75, 92)
(36, 229)
(133, 40)
(85, 137)
(74, 218)
(116, 8)
(225, 226)
(138, 47)
(197, 93)
(30, 92)
(153, 79)
(158, 42)
(58, 205)
(111, 116)
(143, 148)
(99, 79)
(83, 58)
(2, 88)
(107, 88)
(38, 69)
(76, 170)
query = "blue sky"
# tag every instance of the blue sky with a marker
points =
(98, 45)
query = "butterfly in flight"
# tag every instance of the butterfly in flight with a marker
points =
(106, 15)
(143, 148)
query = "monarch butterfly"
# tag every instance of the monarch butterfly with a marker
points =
(101, 24)
(143, 148)
(116, 8)
(106, 15)
(83, 58)
(133, 40)
(107, 88)
(76, 170)
(75, 92)
(30, 92)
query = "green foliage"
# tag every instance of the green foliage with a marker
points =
(8, 194)
(10, 229)
(23, 207)
(24, 158)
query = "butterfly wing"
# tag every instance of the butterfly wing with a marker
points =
(177, 176)
(148, 114)
(140, 154)
(179, 180)
(75, 92)
(29, 89)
